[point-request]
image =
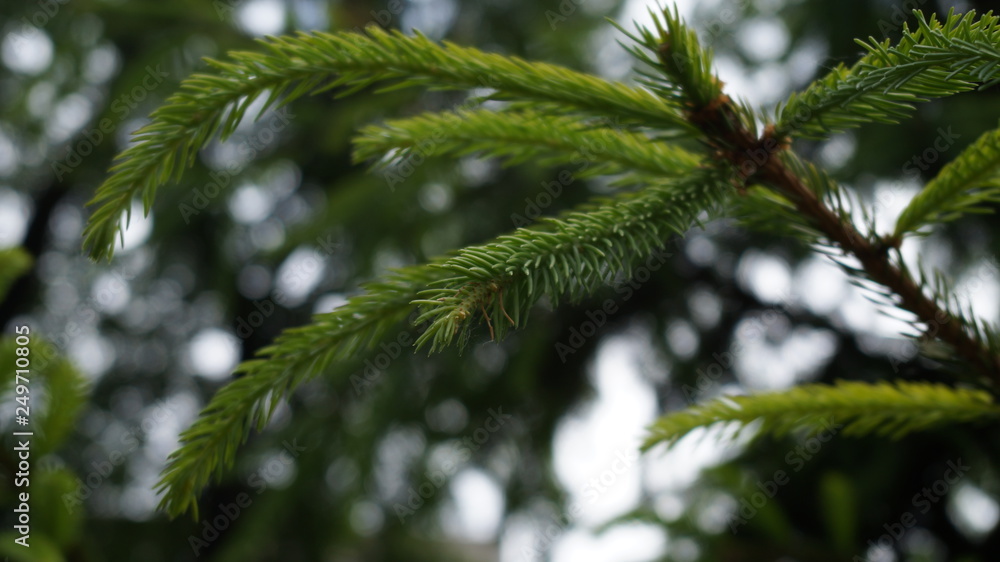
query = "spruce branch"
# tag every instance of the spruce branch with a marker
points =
(209, 446)
(555, 110)
(768, 160)
(964, 185)
(207, 105)
(673, 49)
(679, 68)
(520, 136)
(886, 409)
(937, 59)
(568, 256)
(942, 291)
(876, 265)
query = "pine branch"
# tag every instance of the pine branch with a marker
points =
(886, 409)
(529, 263)
(310, 63)
(937, 60)
(942, 291)
(209, 446)
(964, 185)
(565, 256)
(674, 49)
(767, 210)
(522, 136)
(679, 68)
(767, 160)
(876, 265)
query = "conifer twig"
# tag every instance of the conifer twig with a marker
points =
(684, 75)
(759, 158)
(852, 408)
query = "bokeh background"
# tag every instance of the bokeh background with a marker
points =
(518, 451)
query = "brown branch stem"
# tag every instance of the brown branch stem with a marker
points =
(735, 143)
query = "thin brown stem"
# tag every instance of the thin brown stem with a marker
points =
(735, 143)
